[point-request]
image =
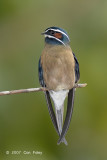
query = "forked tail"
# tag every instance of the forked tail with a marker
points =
(59, 118)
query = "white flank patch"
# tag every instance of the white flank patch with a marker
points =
(58, 98)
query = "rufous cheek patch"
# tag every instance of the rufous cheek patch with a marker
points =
(58, 35)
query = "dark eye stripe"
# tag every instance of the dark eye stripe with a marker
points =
(52, 32)
(57, 30)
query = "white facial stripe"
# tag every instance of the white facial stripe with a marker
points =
(55, 38)
(57, 30)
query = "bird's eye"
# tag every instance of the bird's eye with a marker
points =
(52, 32)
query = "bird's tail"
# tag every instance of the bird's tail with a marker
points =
(68, 114)
(59, 118)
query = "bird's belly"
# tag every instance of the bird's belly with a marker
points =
(64, 82)
(59, 76)
(58, 68)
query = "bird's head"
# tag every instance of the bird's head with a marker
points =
(56, 36)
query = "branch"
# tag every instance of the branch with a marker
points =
(34, 90)
(80, 85)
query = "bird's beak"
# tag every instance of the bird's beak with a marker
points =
(43, 33)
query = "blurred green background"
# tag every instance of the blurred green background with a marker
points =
(24, 120)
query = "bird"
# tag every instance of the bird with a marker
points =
(58, 70)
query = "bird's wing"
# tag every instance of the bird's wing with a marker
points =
(70, 103)
(51, 111)
(77, 72)
(50, 108)
(40, 74)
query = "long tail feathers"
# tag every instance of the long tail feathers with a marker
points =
(52, 115)
(59, 118)
(68, 114)
(51, 111)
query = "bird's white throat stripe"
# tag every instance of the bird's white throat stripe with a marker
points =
(55, 38)
(57, 30)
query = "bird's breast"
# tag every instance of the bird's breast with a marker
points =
(58, 67)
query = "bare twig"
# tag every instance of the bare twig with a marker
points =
(80, 85)
(34, 90)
